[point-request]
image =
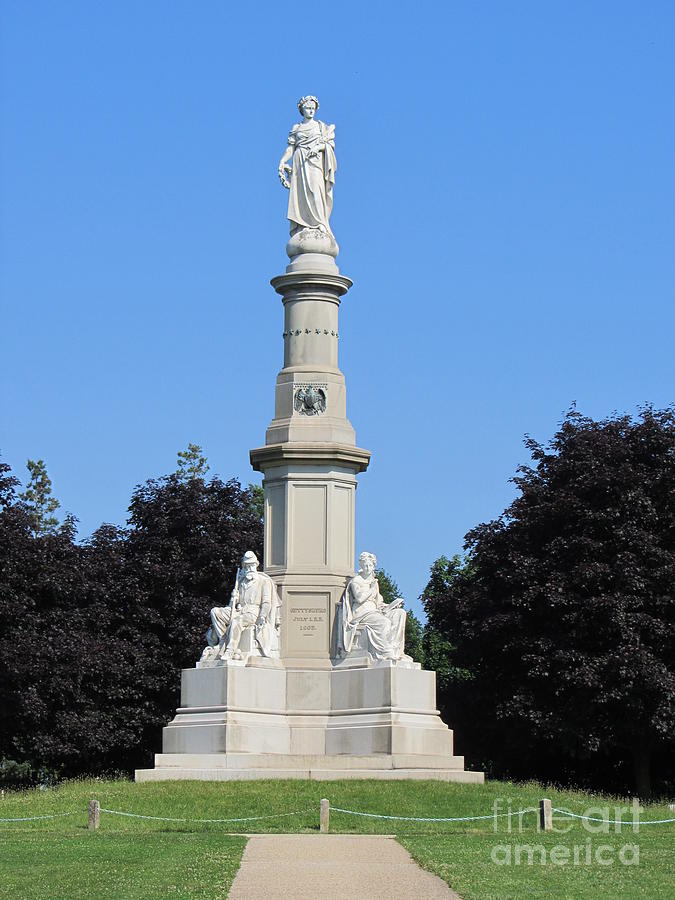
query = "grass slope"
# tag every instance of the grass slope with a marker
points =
(131, 857)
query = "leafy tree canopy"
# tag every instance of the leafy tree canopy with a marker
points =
(8, 486)
(565, 615)
(92, 637)
(38, 500)
(191, 463)
(414, 629)
(257, 500)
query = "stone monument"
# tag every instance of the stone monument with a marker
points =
(305, 673)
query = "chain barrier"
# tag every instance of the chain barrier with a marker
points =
(565, 812)
(117, 812)
(353, 812)
(35, 818)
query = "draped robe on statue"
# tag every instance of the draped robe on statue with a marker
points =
(311, 193)
(363, 609)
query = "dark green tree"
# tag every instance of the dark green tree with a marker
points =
(93, 636)
(390, 591)
(41, 642)
(438, 646)
(565, 617)
(257, 500)
(186, 539)
(38, 500)
(8, 485)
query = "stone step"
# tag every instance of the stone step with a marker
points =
(176, 773)
(306, 761)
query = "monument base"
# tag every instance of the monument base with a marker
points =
(226, 767)
(275, 719)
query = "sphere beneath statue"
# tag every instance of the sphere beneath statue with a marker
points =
(311, 240)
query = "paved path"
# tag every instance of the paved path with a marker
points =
(332, 867)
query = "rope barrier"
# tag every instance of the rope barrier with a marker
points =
(565, 812)
(117, 812)
(353, 812)
(35, 818)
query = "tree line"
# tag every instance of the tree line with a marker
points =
(558, 624)
(553, 636)
(93, 635)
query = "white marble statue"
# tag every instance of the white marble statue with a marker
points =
(310, 178)
(366, 622)
(249, 625)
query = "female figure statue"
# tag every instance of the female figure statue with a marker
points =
(366, 621)
(310, 178)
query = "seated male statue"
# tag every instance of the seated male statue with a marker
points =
(366, 621)
(254, 606)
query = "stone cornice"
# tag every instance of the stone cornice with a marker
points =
(316, 453)
(293, 282)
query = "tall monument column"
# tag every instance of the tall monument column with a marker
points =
(310, 459)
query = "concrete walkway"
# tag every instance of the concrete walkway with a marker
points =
(332, 867)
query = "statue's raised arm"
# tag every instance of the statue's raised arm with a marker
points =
(307, 168)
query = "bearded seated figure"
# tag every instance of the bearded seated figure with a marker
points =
(366, 624)
(249, 625)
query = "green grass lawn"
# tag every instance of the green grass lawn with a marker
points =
(75, 863)
(130, 857)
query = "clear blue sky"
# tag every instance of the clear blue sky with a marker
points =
(504, 204)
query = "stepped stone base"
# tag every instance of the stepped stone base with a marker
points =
(270, 720)
(176, 772)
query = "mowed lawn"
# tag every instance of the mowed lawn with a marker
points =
(69, 862)
(503, 857)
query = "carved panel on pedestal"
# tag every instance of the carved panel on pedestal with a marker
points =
(275, 521)
(342, 539)
(308, 515)
(307, 623)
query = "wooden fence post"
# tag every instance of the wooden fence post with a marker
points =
(324, 816)
(545, 815)
(94, 814)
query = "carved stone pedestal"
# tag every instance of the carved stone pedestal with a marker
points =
(268, 719)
